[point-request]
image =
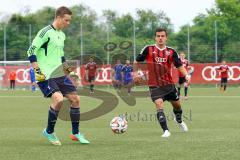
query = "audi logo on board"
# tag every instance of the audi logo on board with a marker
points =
(210, 73)
(207, 73)
(104, 75)
(22, 75)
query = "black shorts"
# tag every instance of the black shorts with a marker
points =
(52, 85)
(224, 80)
(181, 80)
(91, 79)
(168, 93)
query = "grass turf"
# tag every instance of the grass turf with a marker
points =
(212, 117)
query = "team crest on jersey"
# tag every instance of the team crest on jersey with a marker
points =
(167, 53)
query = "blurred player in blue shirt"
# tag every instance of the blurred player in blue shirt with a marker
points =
(33, 79)
(127, 72)
(117, 75)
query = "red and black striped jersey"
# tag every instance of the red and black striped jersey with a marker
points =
(223, 71)
(92, 68)
(159, 64)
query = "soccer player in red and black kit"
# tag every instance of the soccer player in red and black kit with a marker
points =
(223, 69)
(181, 77)
(91, 72)
(159, 59)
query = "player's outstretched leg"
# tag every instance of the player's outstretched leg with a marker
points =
(178, 118)
(75, 118)
(79, 137)
(49, 131)
(163, 123)
(52, 138)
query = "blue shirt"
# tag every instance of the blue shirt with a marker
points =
(127, 72)
(118, 69)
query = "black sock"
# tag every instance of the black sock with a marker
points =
(52, 118)
(224, 88)
(178, 114)
(185, 90)
(91, 87)
(75, 117)
(221, 86)
(179, 89)
(162, 119)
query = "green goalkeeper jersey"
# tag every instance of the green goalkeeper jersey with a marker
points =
(48, 47)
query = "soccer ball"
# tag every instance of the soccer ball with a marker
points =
(118, 125)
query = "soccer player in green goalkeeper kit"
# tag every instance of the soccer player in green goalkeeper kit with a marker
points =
(47, 58)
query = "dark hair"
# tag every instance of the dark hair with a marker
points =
(161, 30)
(62, 10)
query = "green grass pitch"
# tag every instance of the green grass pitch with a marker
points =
(212, 117)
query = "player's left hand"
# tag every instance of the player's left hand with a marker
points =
(39, 75)
(69, 70)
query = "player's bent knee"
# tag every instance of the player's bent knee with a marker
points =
(57, 98)
(176, 104)
(74, 99)
(58, 101)
(159, 103)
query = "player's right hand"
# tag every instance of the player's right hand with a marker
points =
(39, 75)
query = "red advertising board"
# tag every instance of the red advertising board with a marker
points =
(204, 73)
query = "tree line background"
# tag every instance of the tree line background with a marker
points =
(98, 30)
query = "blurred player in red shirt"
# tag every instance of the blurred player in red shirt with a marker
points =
(12, 79)
(91, 73)
(181, 78)
(223, 70)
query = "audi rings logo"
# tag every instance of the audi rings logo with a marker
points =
(160, 60)
(22, 75)
(210, 73)
(104, 75)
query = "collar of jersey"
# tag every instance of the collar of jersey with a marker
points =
(53, 27)
(160, 48)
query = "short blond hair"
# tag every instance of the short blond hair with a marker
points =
(62, 10)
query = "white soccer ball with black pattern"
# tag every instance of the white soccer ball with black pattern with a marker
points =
(119, 125)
